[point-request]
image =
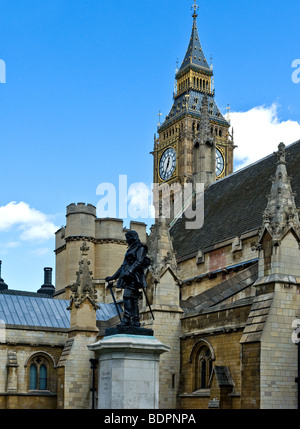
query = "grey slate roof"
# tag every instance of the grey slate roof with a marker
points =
(29, 310)
(194, 58)
(223, 376)
(234, 205)
(179, 110)
(221, 292)
(194, 55)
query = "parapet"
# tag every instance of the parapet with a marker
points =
(81, 208)
(109, 229)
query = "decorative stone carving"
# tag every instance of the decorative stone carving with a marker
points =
(83, 288)
(281, 214)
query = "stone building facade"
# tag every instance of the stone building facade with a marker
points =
(225, 297)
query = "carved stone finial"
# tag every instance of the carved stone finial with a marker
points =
(83, 287)
(281, 153)
(281, 213)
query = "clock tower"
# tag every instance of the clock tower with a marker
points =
(194, 143)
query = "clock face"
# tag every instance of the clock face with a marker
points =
(167, 164)
(219, 163)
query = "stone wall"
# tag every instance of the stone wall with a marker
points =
(22, 344)
(221, 331)
(278, 352)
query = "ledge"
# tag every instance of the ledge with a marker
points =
(201, 393)
(29, 393)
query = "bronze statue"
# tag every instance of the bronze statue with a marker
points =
(131, 278)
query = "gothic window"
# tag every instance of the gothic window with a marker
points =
(33, 377)
(203, 368)
(40, 372)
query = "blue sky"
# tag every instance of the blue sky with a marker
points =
(85, 80)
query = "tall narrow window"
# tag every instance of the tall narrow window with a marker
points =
(203, 368)
(38, 373)
(43, 377)
(32, 377)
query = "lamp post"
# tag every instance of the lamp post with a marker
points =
(94, 363)
(296, 340)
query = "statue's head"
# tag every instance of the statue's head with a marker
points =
(131, 236)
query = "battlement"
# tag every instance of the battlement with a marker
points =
(81, 208)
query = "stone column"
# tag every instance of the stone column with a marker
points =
(128, 371)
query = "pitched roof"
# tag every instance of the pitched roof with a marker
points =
(221, 292)
(234, 205)
(30, 310)
(194, 55)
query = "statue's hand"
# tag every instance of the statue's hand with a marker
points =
(109, 279)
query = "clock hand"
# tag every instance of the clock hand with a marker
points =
(168, 163)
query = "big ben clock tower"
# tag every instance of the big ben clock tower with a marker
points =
(194, 143)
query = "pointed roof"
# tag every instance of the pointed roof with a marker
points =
(161, 250)
(194, 56)
(190, 101)
(281, 213)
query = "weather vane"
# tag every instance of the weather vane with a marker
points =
(195, 7)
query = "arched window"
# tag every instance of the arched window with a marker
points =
(203, 368)
(43, 377)
(33, 377)
(38, 373)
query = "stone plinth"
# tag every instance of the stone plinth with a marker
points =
(128, 371)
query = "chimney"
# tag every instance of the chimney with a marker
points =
(3, 285)
(47, 288)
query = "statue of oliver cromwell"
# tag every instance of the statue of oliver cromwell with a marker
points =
(131, 278)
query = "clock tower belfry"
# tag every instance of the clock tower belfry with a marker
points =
(194, 143)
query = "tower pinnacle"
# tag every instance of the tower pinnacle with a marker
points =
(195, 7)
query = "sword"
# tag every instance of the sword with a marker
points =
(110, 286)
(148, 303)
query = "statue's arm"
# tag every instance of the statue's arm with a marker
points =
(140, 255)
(115, 276)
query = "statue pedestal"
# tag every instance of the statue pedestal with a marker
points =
(128, 371)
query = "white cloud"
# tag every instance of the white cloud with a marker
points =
(32, 224)
(139, 197)
(41, 252)
(258, 132)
